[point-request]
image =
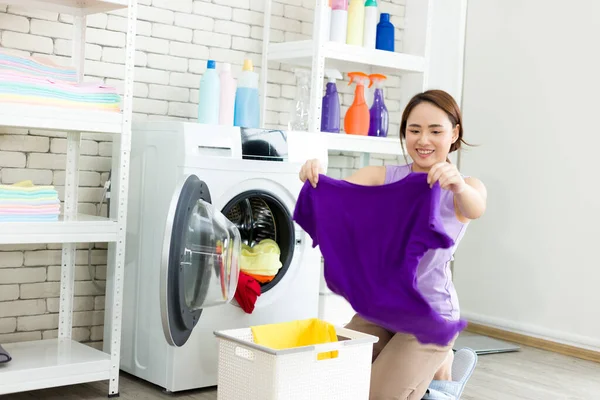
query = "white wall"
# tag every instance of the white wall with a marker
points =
(531, 100)
(175, 38)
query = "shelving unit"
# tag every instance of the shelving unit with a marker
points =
(62, 361)
(345, 58)
(52, 118)
(363, 144)
(77, 8)
(412, 64)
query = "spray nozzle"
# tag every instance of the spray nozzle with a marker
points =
(333, 74)
(302, 75)
(360, 77)
(377, 80)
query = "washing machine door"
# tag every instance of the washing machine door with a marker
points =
(200, 260)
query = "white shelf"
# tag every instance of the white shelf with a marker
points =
(82, 229)
(73, 7)
(60, 119)
(343, 57)
(363, 144)
(50, 363)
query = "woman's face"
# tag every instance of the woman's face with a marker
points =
(429, 135)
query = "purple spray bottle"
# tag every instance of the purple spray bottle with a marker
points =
(379, 121)
(330, 109)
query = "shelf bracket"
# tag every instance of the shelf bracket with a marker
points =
(119, 197)
(264, 68)
(318, 67)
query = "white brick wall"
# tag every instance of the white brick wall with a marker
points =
(175, 38)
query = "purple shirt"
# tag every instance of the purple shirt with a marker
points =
(434, 277)
(372, 238)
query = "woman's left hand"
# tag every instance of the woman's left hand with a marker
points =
(448, 176)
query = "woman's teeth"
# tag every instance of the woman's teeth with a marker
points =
(420, 151)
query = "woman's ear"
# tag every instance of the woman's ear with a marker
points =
(455, 133)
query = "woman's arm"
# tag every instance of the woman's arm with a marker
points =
(470, 195)
(368, 176)
(471, 201)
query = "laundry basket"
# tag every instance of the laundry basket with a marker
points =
(248, 371)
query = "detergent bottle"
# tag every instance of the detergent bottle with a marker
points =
(370, 30)
(227, 100)
(385, 34)
(208, 108)
(356, 22)
(339, 21)
(330, 109)
(379, 117)
(357, 117)
(247, 111)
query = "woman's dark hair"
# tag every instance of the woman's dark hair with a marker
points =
(441, 100)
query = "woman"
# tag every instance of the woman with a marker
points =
(432, 128)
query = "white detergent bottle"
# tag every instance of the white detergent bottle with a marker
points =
(208, 108)
(339, 21)
(227, 103)
(370, 29)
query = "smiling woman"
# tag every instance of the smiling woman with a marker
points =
(430, 129)
(433, 121)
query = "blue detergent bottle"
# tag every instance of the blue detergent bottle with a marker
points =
(247, 105)
(210, 89)
(330, 108)
(385, 34)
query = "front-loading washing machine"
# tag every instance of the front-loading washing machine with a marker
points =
(176, 169)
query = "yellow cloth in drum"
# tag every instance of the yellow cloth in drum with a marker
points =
(287, 335)
(262, 259)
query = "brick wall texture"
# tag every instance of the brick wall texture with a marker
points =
(175, 38)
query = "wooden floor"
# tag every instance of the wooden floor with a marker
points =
(530, 374)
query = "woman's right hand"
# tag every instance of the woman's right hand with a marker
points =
(311, 170)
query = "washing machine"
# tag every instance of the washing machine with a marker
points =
(177, 171)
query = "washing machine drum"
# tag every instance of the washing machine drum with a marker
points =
(259, 215)
(201, 255)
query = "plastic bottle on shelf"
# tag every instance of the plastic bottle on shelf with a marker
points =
(227, 100)
(208, 108)
(301, 105)
(379, 116)
(385, 33)
(339, 21)
(370, 30)
(247, 112)
(330, 109)
(357, 117)
(327, 27)
(356, 22)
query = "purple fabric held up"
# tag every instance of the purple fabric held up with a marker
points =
(372, 238)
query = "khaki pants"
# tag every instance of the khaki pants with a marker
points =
(402, 367)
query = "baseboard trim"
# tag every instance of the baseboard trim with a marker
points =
(532, 341)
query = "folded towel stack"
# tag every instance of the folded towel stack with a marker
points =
(38, 81)
(25, 202)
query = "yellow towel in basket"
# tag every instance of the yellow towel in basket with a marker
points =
(287, 335)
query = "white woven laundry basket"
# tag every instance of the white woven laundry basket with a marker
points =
(248, 371)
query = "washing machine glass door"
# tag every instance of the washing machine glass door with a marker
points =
(200, 260)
